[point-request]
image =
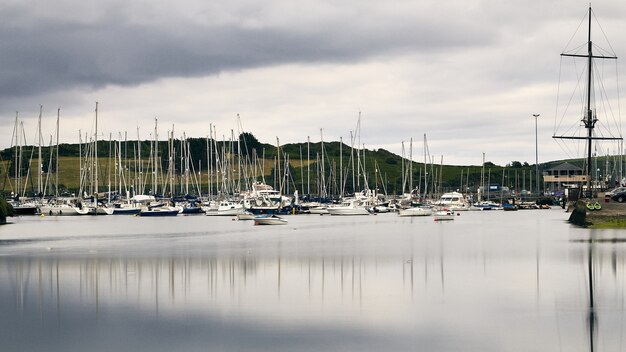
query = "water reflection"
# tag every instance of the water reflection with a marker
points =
(474, 285)
(604, 281)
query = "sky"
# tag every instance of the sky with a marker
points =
(468, 75)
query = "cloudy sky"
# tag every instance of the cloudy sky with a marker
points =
(468, 74)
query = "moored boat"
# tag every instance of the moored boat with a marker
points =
(444, 215)
(416, 211)
(349, 207)
(159, 211)
(245, 215)
(454, 201)
(269, 220)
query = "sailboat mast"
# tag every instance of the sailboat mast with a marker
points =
(589, 122)
(96, 151)
(56, 169)
(39, 162)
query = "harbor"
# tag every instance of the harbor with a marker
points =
(358, 176)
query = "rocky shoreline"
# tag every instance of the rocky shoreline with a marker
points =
(610, 215)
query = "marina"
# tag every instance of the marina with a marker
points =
(116, 237)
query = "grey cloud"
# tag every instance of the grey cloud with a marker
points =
(43, 55)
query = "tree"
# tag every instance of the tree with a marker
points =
(248, 142)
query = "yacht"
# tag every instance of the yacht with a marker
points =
(454, 201)
(350, 207)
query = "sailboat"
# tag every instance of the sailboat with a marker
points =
(590, 119)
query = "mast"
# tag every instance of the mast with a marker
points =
(341, 166)
(17, 160)
(308, 166)
(590, 119)
(280, 186)
(56, 170)
(39, 160)
(96, 152)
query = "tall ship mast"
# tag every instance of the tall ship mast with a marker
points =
(589, 118)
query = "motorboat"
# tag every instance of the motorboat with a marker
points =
(486, 205)
(264, 199)
(159, 211)
(28, 208)
(245, 215)
(454, 201)
(120, 208)
(416, 211)
(187, 208)
(269, 220)
(444, 215)
(225, 208)
(349, 207)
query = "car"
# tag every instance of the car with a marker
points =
(614, 191)
(619, 196)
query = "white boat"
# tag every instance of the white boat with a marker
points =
(62, 207)
(444, 215)
(486, 205)
(245, 215)
(126, 209)
(320, 210)
(159, 211)
(349, 207)
(269, 220)
(93, 208)
(225, 208)
(60, 210)
(263, 199)
(453, 201)
(313, 208)
(416, 211)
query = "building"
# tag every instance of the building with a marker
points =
(563, 176)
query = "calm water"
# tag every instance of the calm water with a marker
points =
(488, 281)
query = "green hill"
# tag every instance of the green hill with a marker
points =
(235, 164)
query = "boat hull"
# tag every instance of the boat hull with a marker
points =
(444, 216)
(347, 211)
(59, 210)
(415, 212)
(156, 213)
(269, 220)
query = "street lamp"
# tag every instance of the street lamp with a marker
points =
(536, 155)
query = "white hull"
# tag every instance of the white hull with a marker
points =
(444, 215)
(318, 210)
(59, 210)
(99, 211)
(417, 211)
(245, 216)
(347, 211)
(225, 212)
(269, 220)
(225, 208)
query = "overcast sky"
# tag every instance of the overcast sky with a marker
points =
(468, 74)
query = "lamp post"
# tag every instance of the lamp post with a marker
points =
(536, 155)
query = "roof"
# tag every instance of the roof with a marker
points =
(565, 166)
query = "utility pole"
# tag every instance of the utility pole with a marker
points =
(536, 156)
